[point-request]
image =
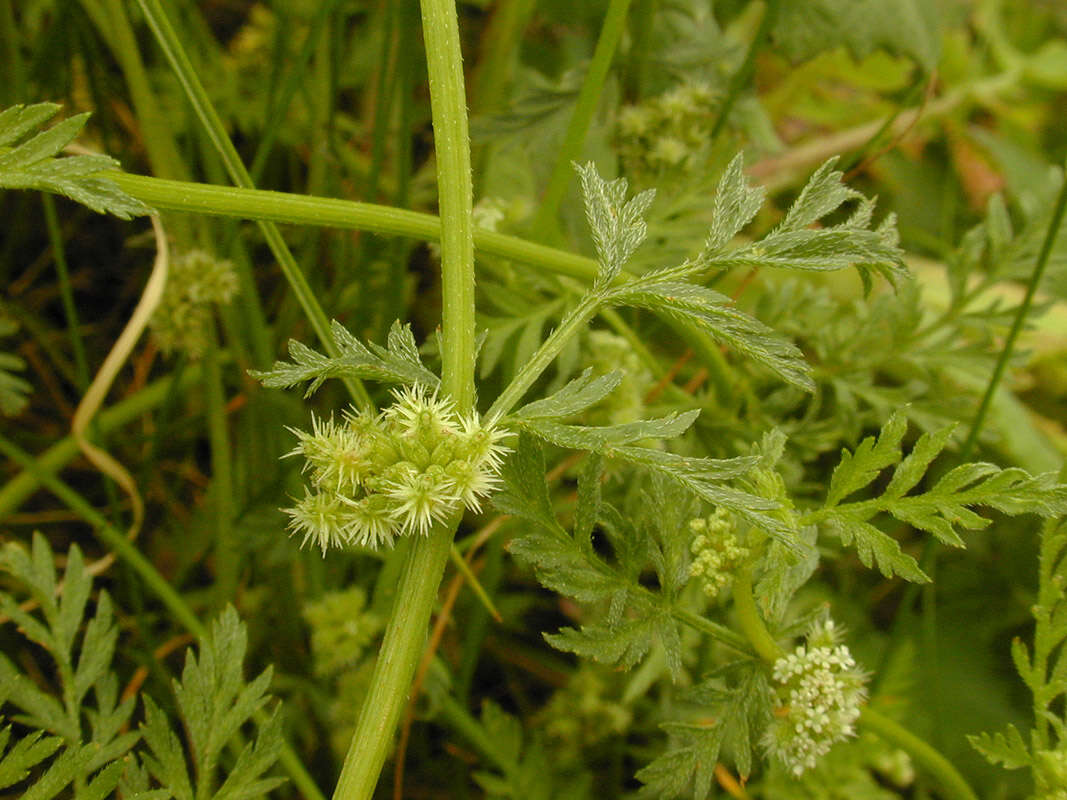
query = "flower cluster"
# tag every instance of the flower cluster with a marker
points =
(342, 628)
(377, 476)
(196, 281)
(668, 132)
(717, 551)
(585, 712)
(820, 691)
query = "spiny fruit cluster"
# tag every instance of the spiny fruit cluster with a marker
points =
(378, 476)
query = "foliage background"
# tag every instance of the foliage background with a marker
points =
(330, 100)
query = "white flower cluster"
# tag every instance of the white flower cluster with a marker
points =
(377, 476)
(820, 691)
(717, 551)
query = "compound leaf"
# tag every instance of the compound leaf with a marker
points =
(576, 396)
(939, 510)
(1006, 748)
(617, 225)
(716, 315)
(736, 205)
(36, 163)
(28, 752)
(397, 362)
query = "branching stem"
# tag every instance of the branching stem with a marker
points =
(751, 622)
(574, 322)
(425, 563)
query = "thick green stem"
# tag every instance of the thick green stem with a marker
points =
(448, 105)
(398, 658)
(425, 564)
(926, 758)
(260, 204)
(751, 622)
(588, 99)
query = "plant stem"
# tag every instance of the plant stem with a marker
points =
(1020, 319)
(723, 634)
(226, 566)
(546, 353)
(19, 488)
(588, 99)
(927, 758)
(751, 622)
(448, 107)
(260, 204)
(460, 720)
(1049, 593)
(70, 311)
(740, 78)
(426, 560)
(157, 133)
(183, 69)
(399, 656)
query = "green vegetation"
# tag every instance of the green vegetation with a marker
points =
(684, 388)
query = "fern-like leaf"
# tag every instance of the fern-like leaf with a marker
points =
(397, 362)
(215, 701)
(617, 224)
(729, 721)
(28, 752)
(1006, 748)
(795, 243)
(940, 510)
(716, 315)
(36, 162)
(577, 396)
